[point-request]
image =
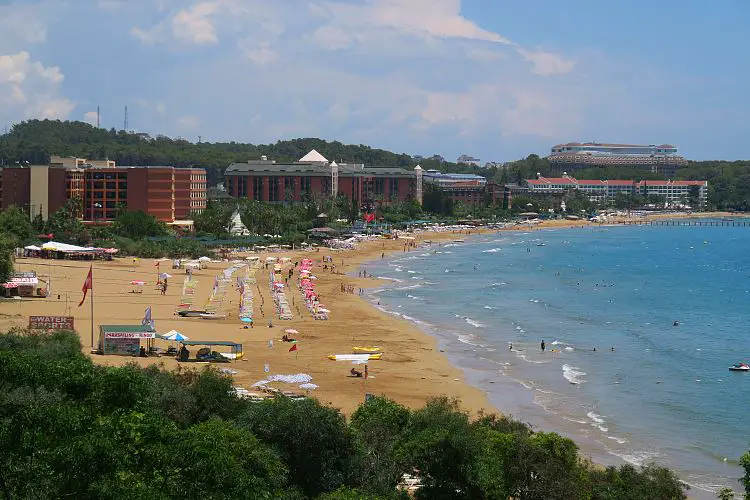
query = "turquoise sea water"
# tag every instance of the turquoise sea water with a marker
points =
(664, 394)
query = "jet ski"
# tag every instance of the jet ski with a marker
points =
(740, 367)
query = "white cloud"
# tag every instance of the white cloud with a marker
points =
(28, 89)
(90, 117)
(353, 23)
(148, 36)
(387, 73)
(261, 54)
(195, 24)
(547, 63)
(435, 18)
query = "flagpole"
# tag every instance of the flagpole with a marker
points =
(92, 305)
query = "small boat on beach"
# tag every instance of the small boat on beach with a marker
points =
(367, 350)
(355, 357)
(213, 316)
(458, 241)
(191, 313)
(739, 367)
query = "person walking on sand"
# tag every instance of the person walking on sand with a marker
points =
(543, 345)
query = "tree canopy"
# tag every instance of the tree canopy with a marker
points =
(70, 428)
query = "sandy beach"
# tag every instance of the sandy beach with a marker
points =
(412, 369)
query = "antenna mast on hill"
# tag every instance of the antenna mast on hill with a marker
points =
(97, 117)
(125, 127)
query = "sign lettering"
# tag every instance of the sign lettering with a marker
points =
(51, 323)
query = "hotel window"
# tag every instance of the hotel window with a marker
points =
(379, 187)
(393, 188)
(289, 185)
(305, 184)
(257, 188)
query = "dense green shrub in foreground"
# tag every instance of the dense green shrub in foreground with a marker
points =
(69, 428)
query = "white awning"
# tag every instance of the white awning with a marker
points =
(64, 247)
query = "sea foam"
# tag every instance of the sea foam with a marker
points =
(573, 374)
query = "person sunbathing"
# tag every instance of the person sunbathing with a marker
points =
(355, 373)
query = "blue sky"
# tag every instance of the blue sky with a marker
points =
(497, 79)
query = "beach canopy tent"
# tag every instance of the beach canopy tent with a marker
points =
(55, 246)
(33, 248)
(123, 340)
(235, 348)
(174, 335)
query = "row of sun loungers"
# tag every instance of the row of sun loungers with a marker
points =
(283, 310)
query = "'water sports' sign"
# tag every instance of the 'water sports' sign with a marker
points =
(51, 323)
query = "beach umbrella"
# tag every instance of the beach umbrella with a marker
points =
(164, 276)
(246, 320)
(204, 259)
(138, 282)
(308, 386)
(291, 331)
(175, 335)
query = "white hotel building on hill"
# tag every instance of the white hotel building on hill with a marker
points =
(662, 159)
(602, 191)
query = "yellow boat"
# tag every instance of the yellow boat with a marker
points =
(371, 350)
(347, 357)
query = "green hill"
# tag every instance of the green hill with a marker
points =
(36, 140)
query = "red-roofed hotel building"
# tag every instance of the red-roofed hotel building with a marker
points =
(603, 191)
(170, 194)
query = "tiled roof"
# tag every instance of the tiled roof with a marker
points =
(582, 182)
(314, 170)
(672, 183)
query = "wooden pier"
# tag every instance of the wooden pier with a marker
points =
(705, 223)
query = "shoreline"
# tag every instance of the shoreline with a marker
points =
(413, 368)
(481, 373)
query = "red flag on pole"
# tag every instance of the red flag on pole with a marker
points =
(293, 348)
(87, 285)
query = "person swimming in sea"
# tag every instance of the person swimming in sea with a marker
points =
(543, 345)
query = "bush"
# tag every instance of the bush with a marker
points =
(69, 428)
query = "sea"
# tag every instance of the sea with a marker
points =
(640, 325)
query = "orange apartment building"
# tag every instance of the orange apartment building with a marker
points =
(170, 194)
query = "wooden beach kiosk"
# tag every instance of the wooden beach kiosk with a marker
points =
(123, 340)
